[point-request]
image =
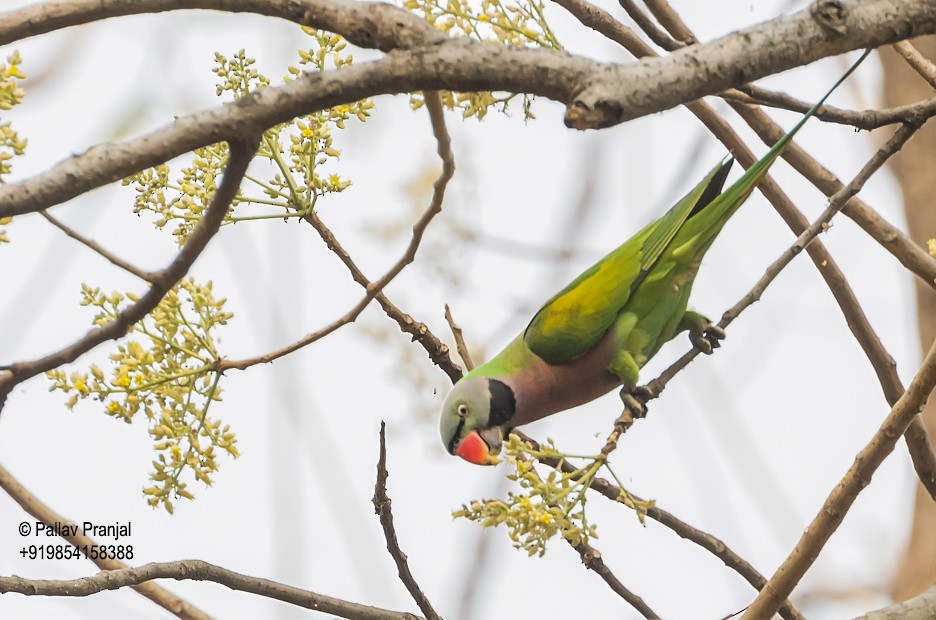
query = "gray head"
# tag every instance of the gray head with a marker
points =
(475, 418)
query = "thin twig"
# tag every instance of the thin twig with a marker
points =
(860, 119)
(901, 247)
(591, 558)
(31, 504)
(833, 510)
(162, 281)
(646, 24)
(710, 543)
(197, 570)
(382, 509)
(920, 63)
(460, 345)
(374, 289)
(115, 260)
(437, 350)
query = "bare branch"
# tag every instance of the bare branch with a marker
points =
(197, 570)
(841, 498)
(460, 345)
(591, 558)
(31, 504)
(921, 453)
(598, 94)
(437, 350)
(894, 240)
(646, 24)
(918, 61)
(366, 24)
(710, 543)
(860, 119)
(374, 290)
(382, 509)
(672, 21)
(241, 153)
(910, 254)
(114, 260)
(920, 607)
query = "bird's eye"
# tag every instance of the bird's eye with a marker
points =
(462, 410)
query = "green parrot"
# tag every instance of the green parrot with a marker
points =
(596, 333)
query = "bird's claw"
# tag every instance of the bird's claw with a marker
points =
(707, 338)
(636, 399)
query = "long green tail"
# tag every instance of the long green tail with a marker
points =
(735, 195)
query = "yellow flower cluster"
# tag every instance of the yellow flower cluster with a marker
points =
(169, 372)
(11, 144)
(300, 155)
(517, 23)
(548, 505)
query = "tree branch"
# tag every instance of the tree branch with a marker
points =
(835, 507)
(382, 508)
(892, 239)
(197, 570)
(903, 248)
(591, 558)
(114, 260)
(910, 254)
(860, 119)
(598, 94)
(710, 543)
(919, 62)
(241, 153)
(920, 607)
(374, 290)
(31, 504)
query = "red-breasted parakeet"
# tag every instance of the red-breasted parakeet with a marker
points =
(596, 333)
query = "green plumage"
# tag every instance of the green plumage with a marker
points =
(597, 332)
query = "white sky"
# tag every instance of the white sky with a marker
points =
(745, 444)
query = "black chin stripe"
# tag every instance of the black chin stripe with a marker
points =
(456, 436)
(503, 403)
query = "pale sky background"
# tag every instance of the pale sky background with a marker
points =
(745, 444)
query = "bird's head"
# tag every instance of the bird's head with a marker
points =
(475, 417)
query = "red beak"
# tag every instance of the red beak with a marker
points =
(474, 450)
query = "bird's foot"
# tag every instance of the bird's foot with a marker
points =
(637, 398)
(703, 334)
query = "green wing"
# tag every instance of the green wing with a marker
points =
(576, 318)
(573, 321)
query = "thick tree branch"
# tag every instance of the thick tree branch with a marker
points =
(31, 504)
(366, 24)
(920, 607)
(846, 491)
(241, 153)
(598, 94)
(197, 570)
(382, 508)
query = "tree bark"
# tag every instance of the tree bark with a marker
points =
(914, 167)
